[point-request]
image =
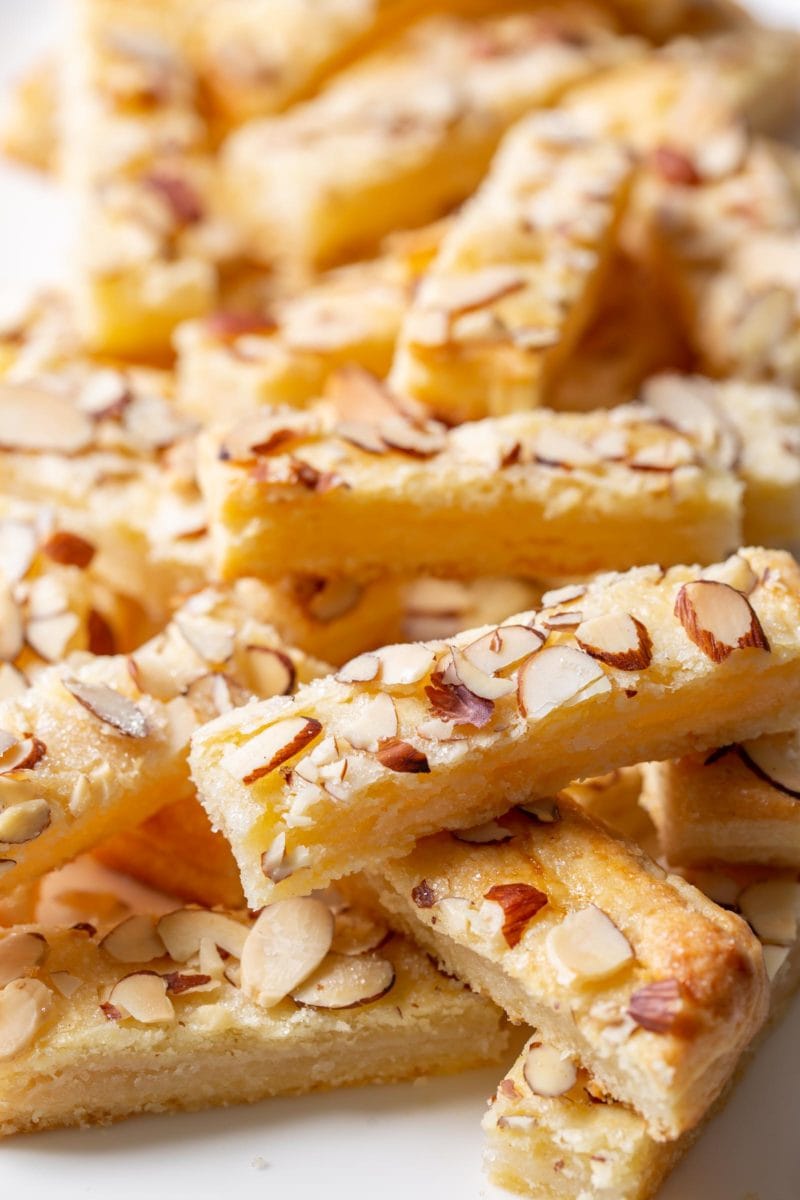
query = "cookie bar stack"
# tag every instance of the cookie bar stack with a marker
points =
(396, 519)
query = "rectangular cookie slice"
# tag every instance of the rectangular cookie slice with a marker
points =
(152, 1018)
(97, 744)
(413, 739)
(568, 1137)
(537, 495)
(405, 134)
(519, 274)
(578, 934)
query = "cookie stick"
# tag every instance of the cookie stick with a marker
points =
(570, 1137)
(406, 133)
(92, 1031)
(399, 744)
(96, 746)
(549, 495)
(519, 275)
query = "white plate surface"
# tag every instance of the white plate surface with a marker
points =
(411, 1141)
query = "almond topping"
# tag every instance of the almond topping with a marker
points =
(774, 958)
(345, 982)
(657, 1006)
(401, 435)
(455, 702)
(718, 619)
(404, 664)
(35, 420)
(143, 996)
(547, 1072)
(374, 721)
(49, 637)
(558, 675)
(618, 639)
(24, 1007)
(12, 635)
(69, 549)
(269, 672)
(483, 835)
(23, 822)
(774, 758)
(331, 599)
(134, 940)
(17, 549)
(502, 648)
(287, 943)
(362, 669)
(459, 294)
(179, 983)
(271, 748)
(587, 945)
(20, 756)
(520, 902)
(543, 812)
(397, 755)
(213, 640)
(100, 635)
(554, 449)
(65, 984)
(20, 953)
(183, 930)
(109, 707)
(357, 932)
(460, 670)
(12, 682)
(772, 907)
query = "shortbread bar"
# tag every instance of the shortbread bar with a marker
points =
(539, 494)
(518, 276)
(735, 804)
(583, 954)
(647, 665)
(406, 133)
(553, 1132)
(94, 746)
(205, 1008)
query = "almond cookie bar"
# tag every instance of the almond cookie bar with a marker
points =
(405, 134)
(553, 1132)
(647, 665)
(580, 953)
(518, 275)
(96, 745)
(537, 495)
(205, 1008)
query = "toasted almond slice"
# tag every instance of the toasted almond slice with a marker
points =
(562, 620)
(134, 940)
(213, 640)
(547, 1072)
(109, 706)
(143, 996)
(555, 449)
(587, 945)
(20, 953)
(618, 639)
(181, 983)
(564, 595)
(404, 664)
(458, 294)
(19, 756)
(427, 327)
(400, 434)
(504, 647)
(374, 720)
(452, 701)
(344, 982)
(332, 599)
(362, 435)
(50, 636)
(12, 633)
(362, 669)
(65, 983)
(183, 930)
(24, 1008)
(260, 434)
(272, 860)
(17, 549)
(718, 619)
(657, 1006)
(397, 755)
(287, 943)
(557, 675)
(543, 812)
(483, 835)
(772, 907)
(210, 960)
(269, 672)
(357, 932)
(12, 682)
(69, 549)
(775, 758)
(520, 903)
(215, 693)
(480, 683)
(271, 748)
(32, 419)
(104, 393)
(20, 823)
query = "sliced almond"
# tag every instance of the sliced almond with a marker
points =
(587, 945)
(774, 958)
(12, 682)
(357, 932)
(18, 543)
(404, 664)
(50, 636)
(20, 756)
(69, 548)
(109, 706)
(483, 835)
(547, 1072)
(12, 630)
(397, 755)
(32, 419)
(344, 982)
(618, 639)
(555, 449)
(485, 685)
(65, 984)
(20, 823)
(183, 930)
(373, 721)
(407, 438)
(269, 672)
(657, 1006)
(774, 758)
(564, 595)
(543, 812)
(362, 435)
(271, 748)
(502, 648)
(468, 292)
(287, 943)
(134, 940)
(718, 619)
(20, 954)
(100, 634)
(213, 640)
(557, 675)
(735, 571)
(772, 907)
(24, 1008)
(215, 693)
(453, 702)
(143, 996)
(520, 903)
(332, 599)
(273, 859)
(362, 669)
(182, 983)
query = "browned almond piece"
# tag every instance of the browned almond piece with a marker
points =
(143, 996)
(36, 420)
(134, 940)
(587, 945)
(505, 647)
(520, 902)
(101, 637)
(456, 703)
(547, 1072)
(483, 835)
(20, 823)
(259, 435)
(718, 619)
(345, 982)
(555, 676)
(618, 639)
(274, 746)
(397, 755)
(69, 548)
(20, 953)
(401, 435)
(18, 542)
(24, 1008)
(269, 672)
(287, 943)
(181, 983)
(774, 758)
(357, 932)
(657, 1006)
(109, 706)
(183, 930)
(555, 449)
(20, 756)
